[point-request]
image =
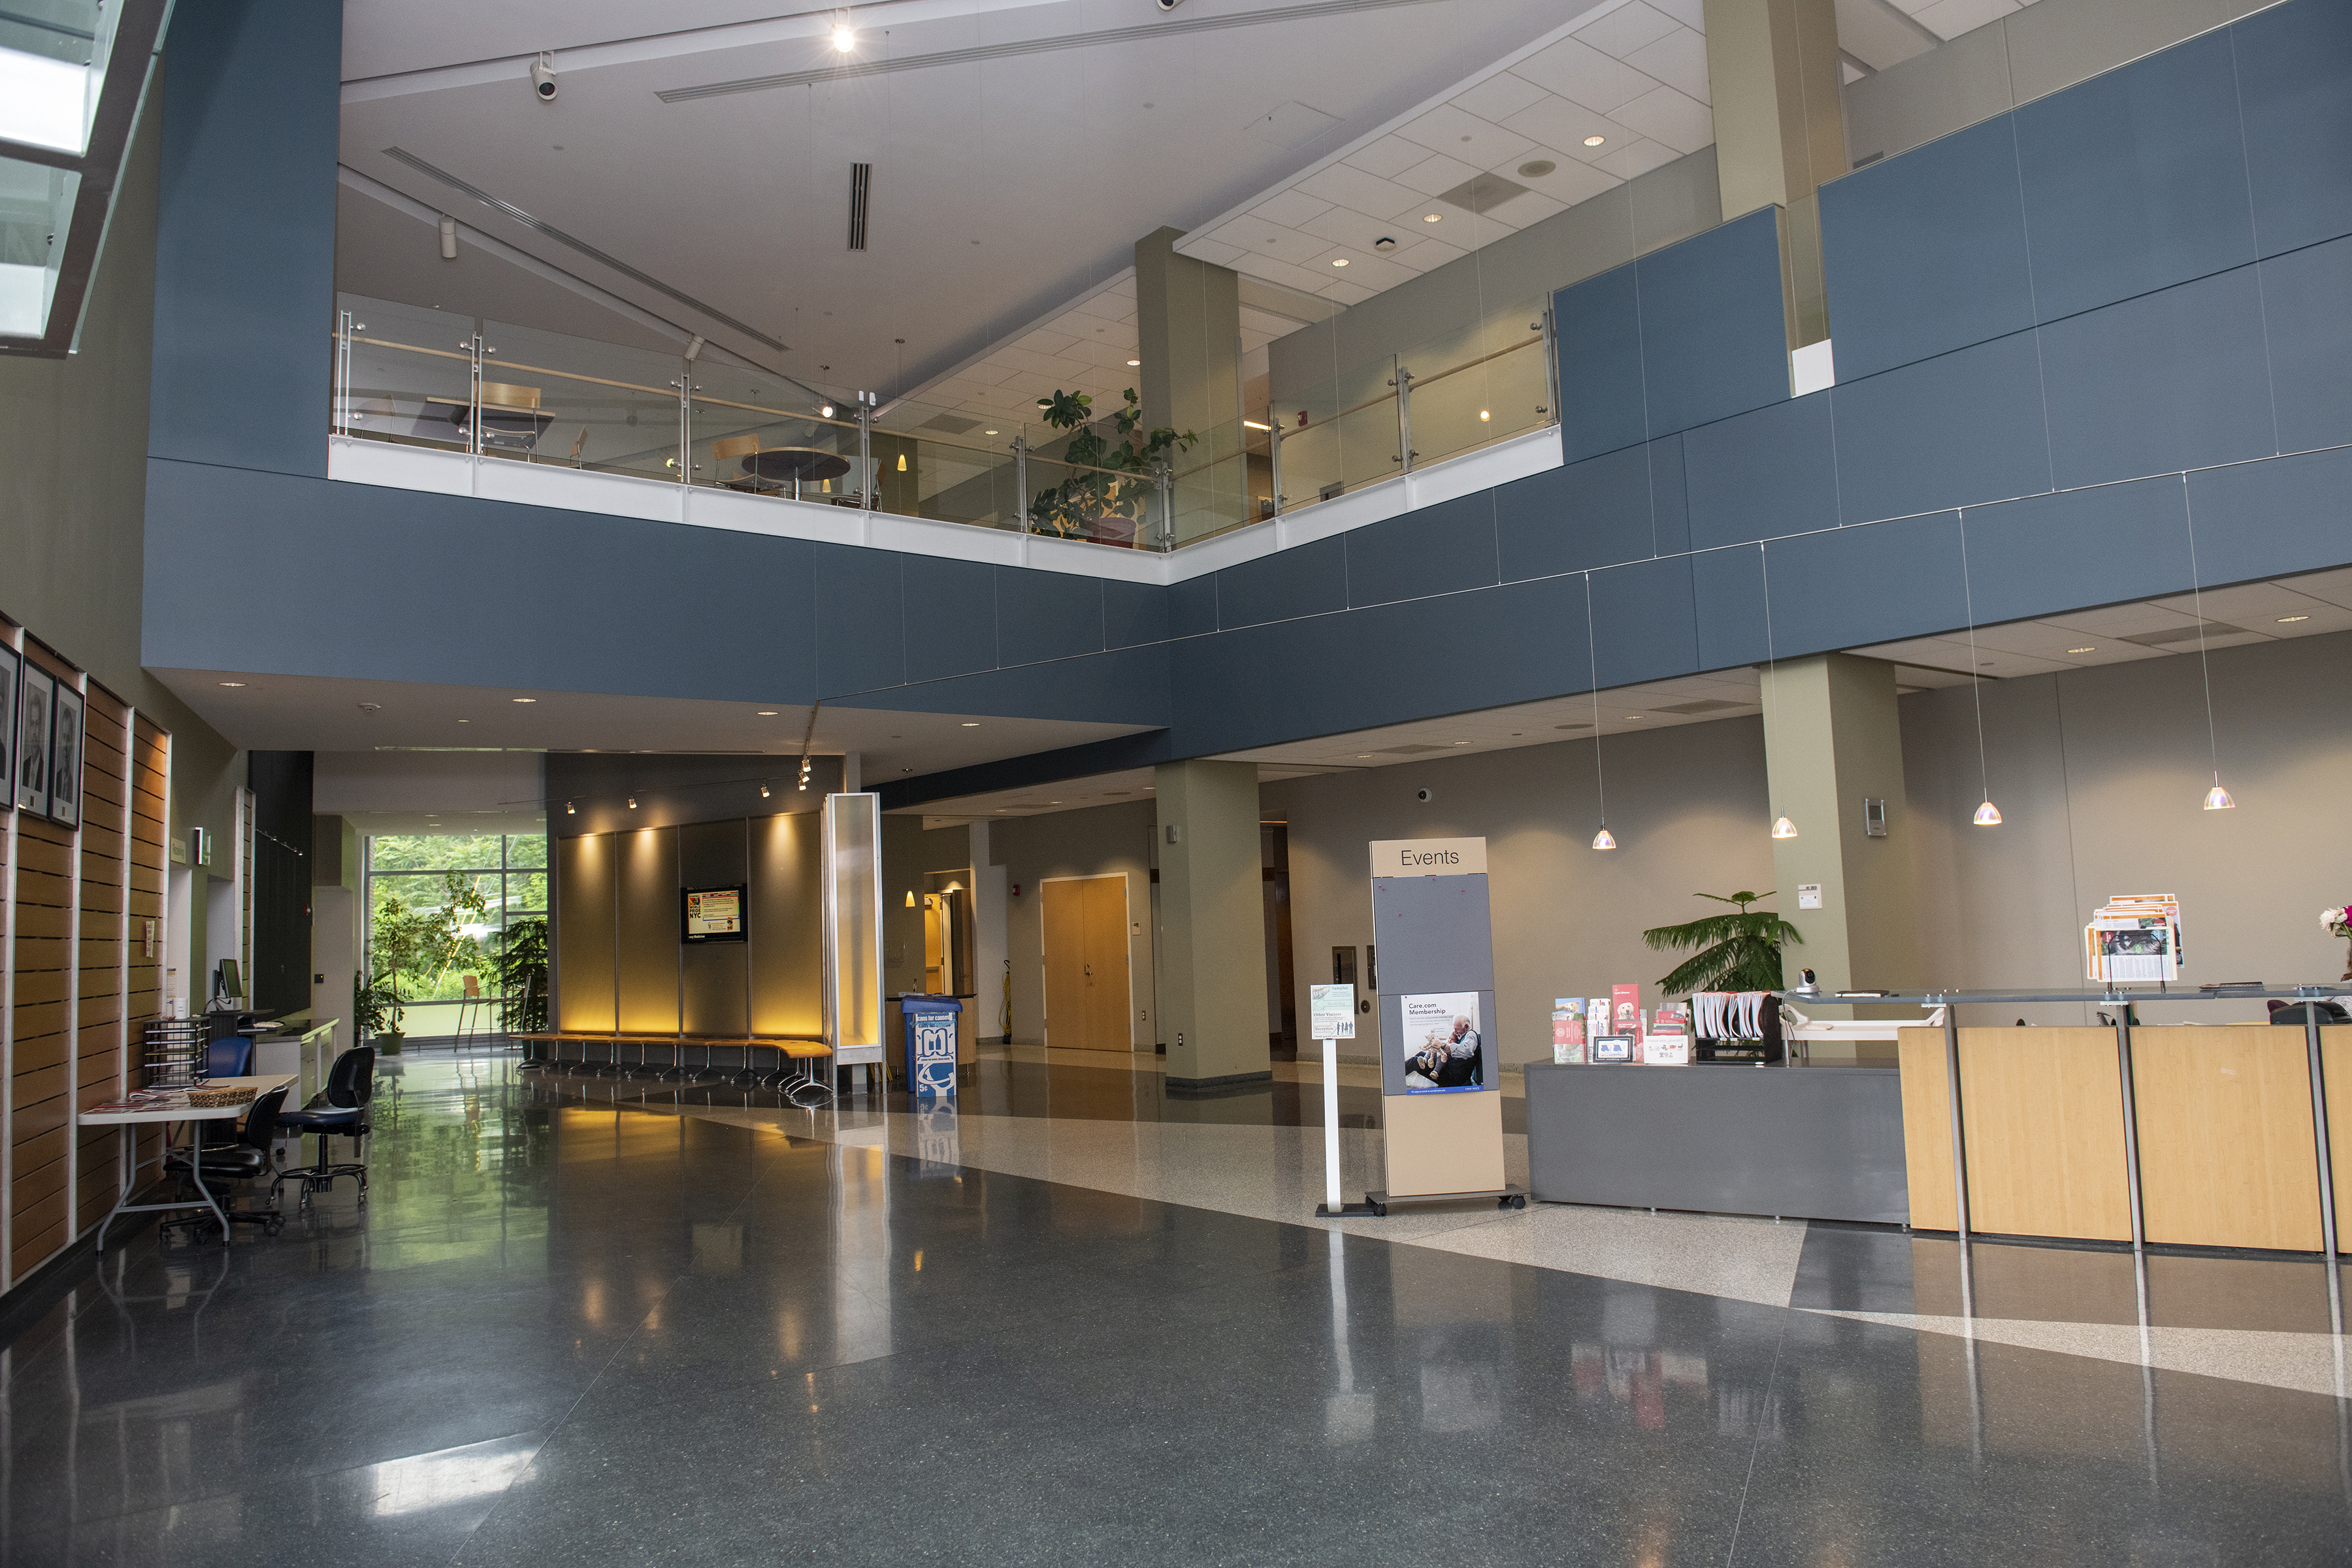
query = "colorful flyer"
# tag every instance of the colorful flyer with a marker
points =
(1443, 1050)
(1568, 1030)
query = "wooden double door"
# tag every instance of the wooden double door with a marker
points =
(1087, 995)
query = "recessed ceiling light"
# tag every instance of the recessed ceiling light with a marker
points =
(1432, 217)
(232, 683)
(1594, 141)
(465, 721)
(2289, 620)
(1053, 803)
(1338, 261)
(1363, 756)
(971, 723)
(989, 432)
(764, 712)
(525, 699)
(1459, 743)
(2092, 649)
(1131, 363)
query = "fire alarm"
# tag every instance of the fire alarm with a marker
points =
(1016, 889)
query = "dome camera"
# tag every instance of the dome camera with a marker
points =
(1168, 4)
(542, 78)
(1424, 795)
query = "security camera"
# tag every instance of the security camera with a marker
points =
(1168, 4)
(1424, 795)
(542, 78)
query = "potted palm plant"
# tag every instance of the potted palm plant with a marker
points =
(1736, 951)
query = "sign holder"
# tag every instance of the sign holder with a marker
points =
(1440, 1070)
(1332, 1014)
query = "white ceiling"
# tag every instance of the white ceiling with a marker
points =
(1633, 75)
(319, 713)
(1019, 151)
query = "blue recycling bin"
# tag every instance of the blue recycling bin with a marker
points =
(930, 1023)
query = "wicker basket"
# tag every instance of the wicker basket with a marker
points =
(213, 1099)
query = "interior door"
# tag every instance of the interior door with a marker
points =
(1086, 964)
(1106, 966)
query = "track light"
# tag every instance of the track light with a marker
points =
(1987, 816)
(632, 802)
(763, 792)
(1602, 840)
(570, 808)
(845, 36)
(1783, 828)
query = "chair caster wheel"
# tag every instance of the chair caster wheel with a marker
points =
(1380, 1211)
(1515, 1202)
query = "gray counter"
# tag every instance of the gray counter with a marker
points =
(1806, 1142)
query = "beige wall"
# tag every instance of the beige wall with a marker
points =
(1095, 842)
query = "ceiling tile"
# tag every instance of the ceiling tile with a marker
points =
(1429, 176)
(1460, 134)
(1571, 182)
(1561, 124)
(1499, 97)
(1389, 156)
(1675, 119)
(1678, 59)
(2250, 605)
(1215, 252)
(1260, 237)
(1349, 293)
(1347, 186)
(1629, 27)
(1691, 14)
(1342, 226)
(2335, 587)
(1951, 18)
(1583, 74)
(1532, 207)
(1364, 270)
(1290, 208)
(1644, 155)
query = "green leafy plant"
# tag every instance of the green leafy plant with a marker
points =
(1739, 951)
(522, 971)
(420, 945)
(1111, 477)
(375, 1005)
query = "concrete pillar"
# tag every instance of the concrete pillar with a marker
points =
(1212, 925)
(1187, 318)
(1831, 741)
(1780, 132)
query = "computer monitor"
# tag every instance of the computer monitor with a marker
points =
(226, 982)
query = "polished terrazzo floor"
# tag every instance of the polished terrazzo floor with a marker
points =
(583, 1322)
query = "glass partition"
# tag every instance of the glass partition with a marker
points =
(853, 927)
(549, 397)
(36, 206)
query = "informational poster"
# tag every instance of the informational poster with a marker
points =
(1444, 1047)
(1625, 1010)
(714, 915)
(1568, 1030)
(931, 1066)
(1331, 1012)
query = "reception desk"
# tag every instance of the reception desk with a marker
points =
(2227, 1152)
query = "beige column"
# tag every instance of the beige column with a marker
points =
(1211, 976)
(1780, 132)
(1187, 318)
(1831, 742)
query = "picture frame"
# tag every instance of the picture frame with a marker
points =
(66, 732)
(34, 694)
(713, 914)
(11, 667)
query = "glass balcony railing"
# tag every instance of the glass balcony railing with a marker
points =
(414, 376)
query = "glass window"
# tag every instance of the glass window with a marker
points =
(441, 908)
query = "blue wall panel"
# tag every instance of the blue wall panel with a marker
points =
(1135, 613)
(1714, 333)
(1441, 548)
(1728, 597)
(1963, 427)
(1593, 513)
(2307, 312)
(2056, 552)
(951, 616)
(2292, 64)
(1644, 622)
(1599, 325)
(1669, 496)
(2175, 379)
(1192, 606)
(1304, 581)
(1856, 585)
(1926, 252)
(1763, 474)
(861, 633)
(245, 240)
(2262, 520)
(1040, 614)
(2137, 179)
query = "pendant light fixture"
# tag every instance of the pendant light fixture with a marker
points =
(632, 802)
(1781, 827)
(1602, 840)
(2217, 799)
(1988, 814)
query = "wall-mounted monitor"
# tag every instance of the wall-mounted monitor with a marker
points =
(713, 914)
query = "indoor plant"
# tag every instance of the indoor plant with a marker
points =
(1738, 952)
(521, 970)
(1109, 478)
(2339, 922)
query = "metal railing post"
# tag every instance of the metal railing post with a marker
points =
(865, 451)
(341, 422)
(1551, 364)
(2319, 1131)
(474, 396)
(1403, 384)
(1166, 482)
(1021, 483)
(2131, 1124)
(1273, 462)
(686, 423)
(1959, 1146)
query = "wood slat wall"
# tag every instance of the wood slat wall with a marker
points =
(84, 983)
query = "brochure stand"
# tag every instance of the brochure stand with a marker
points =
(1440, 1071)
(1331, 1010)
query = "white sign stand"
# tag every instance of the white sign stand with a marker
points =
(1331, 1017)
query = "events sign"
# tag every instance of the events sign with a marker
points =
(1429, 857)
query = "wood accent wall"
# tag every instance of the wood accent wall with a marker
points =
(83, 984)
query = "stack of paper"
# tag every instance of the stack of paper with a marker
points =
(2134, 937)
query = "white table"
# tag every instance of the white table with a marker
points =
(165, 1116)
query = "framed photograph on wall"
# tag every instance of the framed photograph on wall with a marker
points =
(65, 756)
(34, 694)
(713, 914)
(10, 667)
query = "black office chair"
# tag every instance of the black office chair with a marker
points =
(340, 1111)
(247, 1159)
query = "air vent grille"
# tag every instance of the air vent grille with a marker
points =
(861, 185)
(2171, 634)
(1705, 705)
